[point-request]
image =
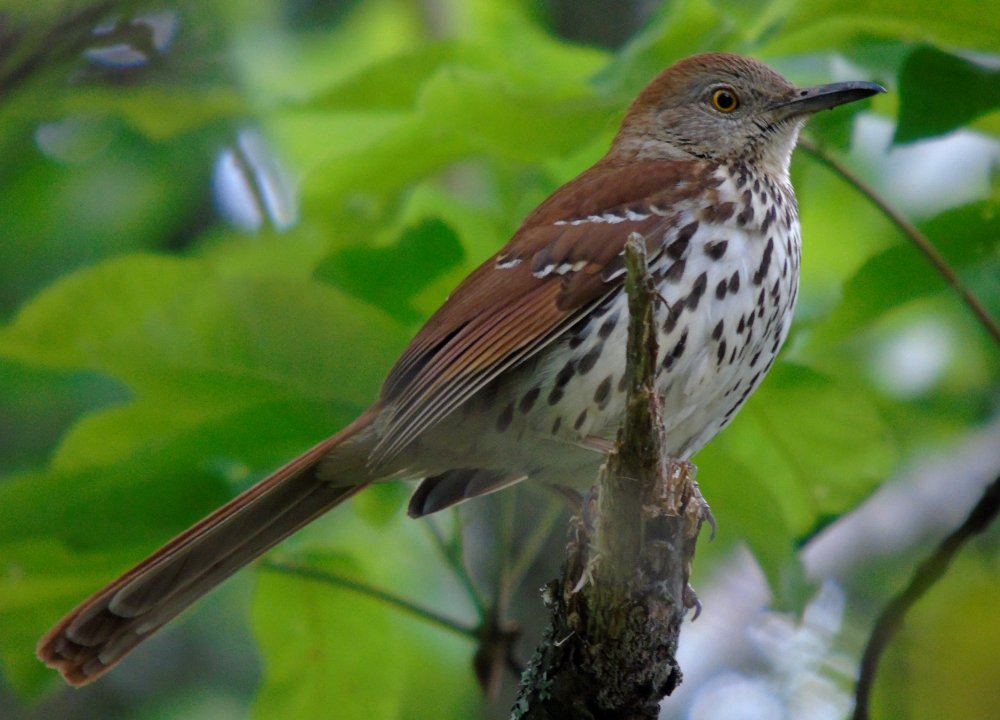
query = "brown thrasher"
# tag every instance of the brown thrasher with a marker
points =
(519, 374)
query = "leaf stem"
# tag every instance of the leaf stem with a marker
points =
(400, 603)
(917, 238)
(505, 546)
(452, 554)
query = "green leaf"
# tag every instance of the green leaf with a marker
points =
(805, 447)
(158, 112)
(943, 663)
(39, 580)
(389, 277)
(818, 25)
(462, 112)
(394, 84)
(940, 92)
(166, 325)
(746, 508)
(676, 30)
(968, 237)
(155, 483)
(324, 646)
(323, 650)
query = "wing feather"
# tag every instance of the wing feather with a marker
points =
(564, 260)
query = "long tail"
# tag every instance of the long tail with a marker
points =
(105, 627)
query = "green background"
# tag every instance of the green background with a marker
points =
(156, 358)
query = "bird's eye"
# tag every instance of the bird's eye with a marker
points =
(725, 100)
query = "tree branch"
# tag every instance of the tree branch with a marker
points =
(400, 603)
(609, 650)
(929, 572)
(917, 238)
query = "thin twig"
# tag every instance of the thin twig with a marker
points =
(372, 592)
(919, 240)
(505, 545)
(452, 555)
(67, 36)
(929, 572)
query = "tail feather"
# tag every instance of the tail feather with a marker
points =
(95, 636)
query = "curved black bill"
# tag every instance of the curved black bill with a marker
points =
(824, 97)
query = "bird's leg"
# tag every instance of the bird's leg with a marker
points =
(704, 510)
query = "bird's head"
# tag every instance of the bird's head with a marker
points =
(725, 107)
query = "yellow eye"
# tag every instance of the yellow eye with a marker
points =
(725, 100)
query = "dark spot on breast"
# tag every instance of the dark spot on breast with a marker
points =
(603, 393)
(716, 249)
(756, 185)
(720, 289)
(673, 315)
(622, 382)
(588, 361)
(528, 401)
(755, 358)
(555, 396)
(765, 263)
(556, 425)
(741, 326)
(697, 290)
(565, 374)
(580, 420)
(676, 271)
(720, 353)
(678, 349)
(718, 213)
(734, 281)
(607, 327)
(505, 417)
(745, 216)
(678, 247)
(741, 175)
(717, 332)
(768, 219)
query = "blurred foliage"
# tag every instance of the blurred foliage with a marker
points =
(154, 359)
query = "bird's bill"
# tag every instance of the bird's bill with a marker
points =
(824, 97)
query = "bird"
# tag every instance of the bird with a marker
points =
(520, 374)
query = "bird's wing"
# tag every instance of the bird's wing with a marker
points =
(565, 258)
